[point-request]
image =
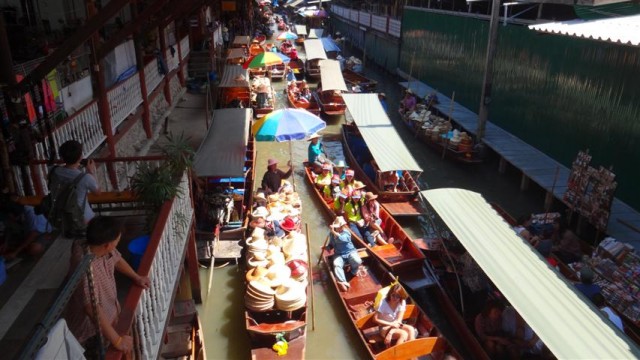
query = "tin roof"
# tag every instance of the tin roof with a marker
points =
(621, 30)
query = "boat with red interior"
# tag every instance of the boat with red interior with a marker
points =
(299, 102)
(354, 79)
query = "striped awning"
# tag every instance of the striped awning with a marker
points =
(620, 30)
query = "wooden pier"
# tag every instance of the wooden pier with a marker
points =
(624, 222)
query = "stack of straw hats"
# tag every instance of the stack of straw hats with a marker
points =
(291, 295)
(259, 295)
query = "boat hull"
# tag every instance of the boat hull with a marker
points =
(330, 103)
(352, 78)
(311, 105)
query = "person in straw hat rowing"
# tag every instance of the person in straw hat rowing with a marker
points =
(344, 251)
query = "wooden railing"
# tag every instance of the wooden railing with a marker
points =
(152, 76)
(184, 47)
(385, 24)
(124, 98)
(172, 59)
(145, 312)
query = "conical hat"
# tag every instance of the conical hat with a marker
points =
(256, 273)
(277, 274)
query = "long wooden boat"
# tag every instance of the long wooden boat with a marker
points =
(408, 188)
(358, 300)
(352, 78)
(263, 327)
(311, 105)
(234, 87)
(278, 71)
(224, 193)
(331, 102)
(259, 111)
(455, 149)
(401, 256)
(298, 68)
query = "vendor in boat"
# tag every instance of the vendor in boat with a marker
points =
(408, 103)
(344, 252)
(353, 213)
(262, 97)
(272, 178)
(389, 315)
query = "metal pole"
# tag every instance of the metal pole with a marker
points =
(487, 82)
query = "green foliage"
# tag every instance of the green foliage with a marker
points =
(179, 153)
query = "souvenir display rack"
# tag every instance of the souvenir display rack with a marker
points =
(590, 191)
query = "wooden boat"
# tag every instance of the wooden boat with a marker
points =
(353, 144)
(236, 56)
(402, 256)
(234, 86)
(224, 193)
(352, 78)
(258, 110)
(264, 326)
(358, 303)
(329, 92)
(241, 41)
(255, 48)
(436, 133)
(278, 71)
(301, 31)
(261, 38)
(298, 68)
(330, 102)
(314, 54)
(311, 105)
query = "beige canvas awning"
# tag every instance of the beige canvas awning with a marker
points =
(235, 53)
(315, 33)
(559, 314)
(386, 146)
(301, 30)
(240, 40)
(222, 152)
(234, 76)
(314, 49)
(294, 3)
(331, 76)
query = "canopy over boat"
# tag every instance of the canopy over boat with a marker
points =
(235, 53)
(331, 76)
(329, 44)
(381, 137)
(240, 40)
(301, 29)
(234, 76)
(563, 318)
(314, 50)
(294, 3)
(315, 33)
(222, 152)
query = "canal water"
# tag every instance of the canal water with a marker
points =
(334, 337)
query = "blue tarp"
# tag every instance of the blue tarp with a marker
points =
(329, 45)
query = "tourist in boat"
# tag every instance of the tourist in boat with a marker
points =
(347, 183)
(389, 181)
(272, 178)
(371, 216)
(305, 92)
(389, 315)
(323, 180)
(340, 202)
(353, 213)
(316, 154)
(344, 252)
(488, 326)
(600, 302)
(339, 169)
(332, 191)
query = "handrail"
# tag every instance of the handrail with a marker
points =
(55, 312)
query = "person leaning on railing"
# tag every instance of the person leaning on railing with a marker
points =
(103, 236)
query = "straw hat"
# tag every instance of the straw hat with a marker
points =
(256, 273)
(340, 164)
(276, 214)
(274, 198)
(276, 258)
(370, 196)
(260, 212)
(314, 136)
(252, 262)
(338, 222)
(278, 274)
(299, 268)
(357, 185)
(260, 196)
(277, 241)
(290, 295)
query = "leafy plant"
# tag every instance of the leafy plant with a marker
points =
(179, 153)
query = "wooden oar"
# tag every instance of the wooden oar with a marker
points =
(326, 241)
(310, 274)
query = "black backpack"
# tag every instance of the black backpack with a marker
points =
(61, 208)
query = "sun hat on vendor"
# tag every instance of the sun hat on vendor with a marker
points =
(272, 162)
(314, 136)
(338, 222)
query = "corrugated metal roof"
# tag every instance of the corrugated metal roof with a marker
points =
(621, 30)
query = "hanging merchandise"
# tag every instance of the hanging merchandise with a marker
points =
(28, 103)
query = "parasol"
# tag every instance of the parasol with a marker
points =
(262, 59)
(287, 35)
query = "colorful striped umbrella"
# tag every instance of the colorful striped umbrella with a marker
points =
(287, 35)
(262, 59)
(287, 124)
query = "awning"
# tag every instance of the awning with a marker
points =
(222, 152)
(231, 77)
(317, 1)
(378, 132)
(314, 50)
(329, 44)
(241, 40)
(620, 30)
(235, 53)
(563, 318)
(331, 76)
(301, 30)
(294, 3)
(315, 33)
